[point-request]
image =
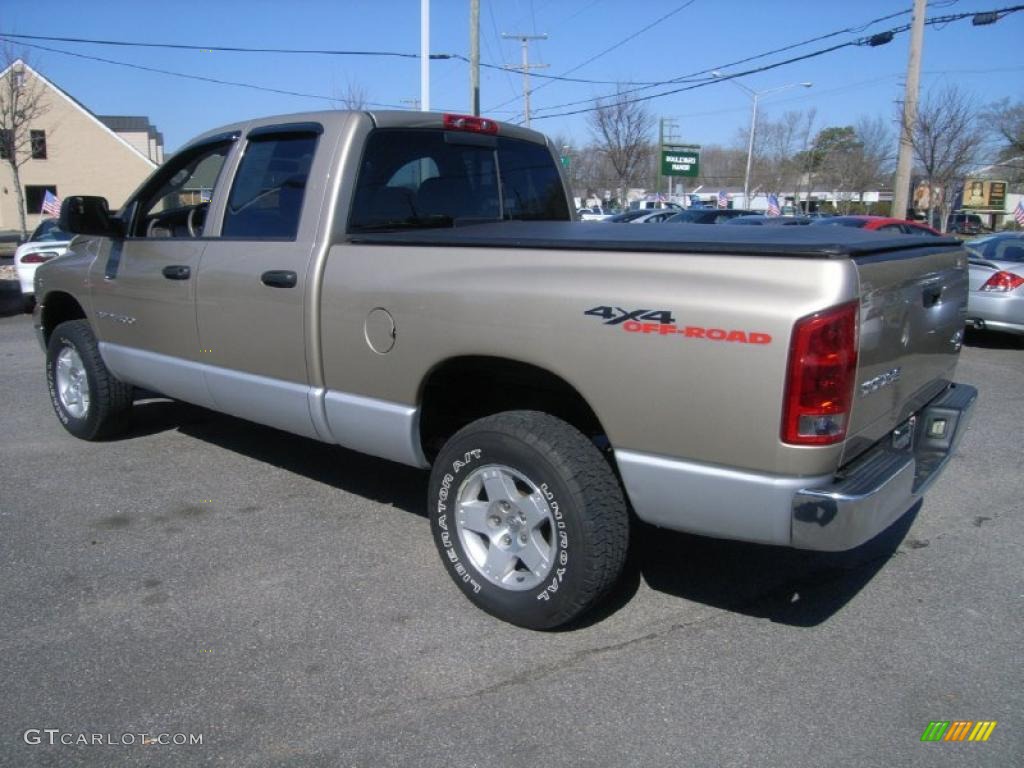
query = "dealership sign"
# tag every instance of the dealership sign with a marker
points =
(680, 160)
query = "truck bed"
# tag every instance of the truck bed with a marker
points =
(796, 241)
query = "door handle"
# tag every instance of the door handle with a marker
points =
(177, 272)
(930, 297)
(279, 278)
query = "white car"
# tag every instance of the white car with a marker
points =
(47, 242)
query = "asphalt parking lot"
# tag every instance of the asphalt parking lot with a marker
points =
(283, 600)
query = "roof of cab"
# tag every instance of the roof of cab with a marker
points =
(381, 119)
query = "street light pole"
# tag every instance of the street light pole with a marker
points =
(755, 95)
(750, 149)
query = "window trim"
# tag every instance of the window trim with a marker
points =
(36, 138)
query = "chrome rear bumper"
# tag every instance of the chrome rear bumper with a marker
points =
(881, 486)
(825, 512)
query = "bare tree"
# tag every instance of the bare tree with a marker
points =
(945, 137)
(877, 149)
(721, 167)
(622, 133)
(778, 143)
(21, 105)
(353, 96)
(1007, 122)
(802, 159)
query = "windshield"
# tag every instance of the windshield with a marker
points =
(49, 232)
(998, 248)
(427, 178)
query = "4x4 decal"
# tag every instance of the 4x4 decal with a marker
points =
(661, 322)
(618, 315)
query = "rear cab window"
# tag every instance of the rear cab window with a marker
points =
(266, 198)
(414, 178)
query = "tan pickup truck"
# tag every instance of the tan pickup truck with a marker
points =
(412, 286)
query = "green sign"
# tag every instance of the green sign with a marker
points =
(680, 160)
(565, 161)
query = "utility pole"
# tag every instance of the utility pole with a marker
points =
(474, 56)
(666, 132)
(904, 165)
(425, 55)
(526, 66)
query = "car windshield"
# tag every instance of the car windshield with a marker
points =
(839, 222)
(49, 232)
(998, 248)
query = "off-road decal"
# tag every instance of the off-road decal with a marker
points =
(660, 322)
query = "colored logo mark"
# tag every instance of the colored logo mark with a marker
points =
(958, 730)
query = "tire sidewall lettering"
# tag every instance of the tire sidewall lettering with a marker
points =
(51, 382)
(454, 557)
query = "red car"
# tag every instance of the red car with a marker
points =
(879, 223)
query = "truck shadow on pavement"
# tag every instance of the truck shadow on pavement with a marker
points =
(11, 300)
(793, 587)
(372, 478)
(789, 586)
(993, 339)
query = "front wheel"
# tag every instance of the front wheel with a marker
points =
(88, 400)
(529, 518)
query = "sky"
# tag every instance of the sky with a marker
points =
(609, 43)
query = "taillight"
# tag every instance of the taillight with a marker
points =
(470, 123)
(38, 258)
(1001, 282)
(820, 377)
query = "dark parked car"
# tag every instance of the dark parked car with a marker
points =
(964, 223)
(996, 298)
(706, 215)
(627, 216)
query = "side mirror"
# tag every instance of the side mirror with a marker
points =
(84, 215)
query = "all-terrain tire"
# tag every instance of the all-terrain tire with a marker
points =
(89, 401)
(529, 518)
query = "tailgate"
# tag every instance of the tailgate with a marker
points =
(912, 314)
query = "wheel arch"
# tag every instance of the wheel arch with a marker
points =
(462, 389)
(59, 307)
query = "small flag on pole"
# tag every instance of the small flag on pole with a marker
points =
(773, 206)
(1018, 213)
(51, 204)
(723, 199)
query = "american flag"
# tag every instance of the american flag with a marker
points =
(723, 199)
(773, 206)
(1018, 213)
(51, 204)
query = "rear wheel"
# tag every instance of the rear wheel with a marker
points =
(88, 400)
(529, 518)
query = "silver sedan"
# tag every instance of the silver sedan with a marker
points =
(996, 300)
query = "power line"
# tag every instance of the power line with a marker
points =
(297, 51)
(202, 78)
(224, 48)
(689, 77)
(611, 48)
(873, 40)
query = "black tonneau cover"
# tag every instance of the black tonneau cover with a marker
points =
(804, 241)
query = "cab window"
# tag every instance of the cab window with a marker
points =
(266, 199)
(411, 178)
(174, 204)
